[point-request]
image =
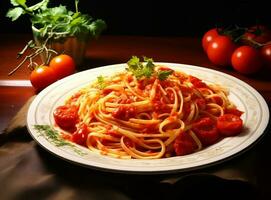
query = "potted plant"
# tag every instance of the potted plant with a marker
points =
(58, 28)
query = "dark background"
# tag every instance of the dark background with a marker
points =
(157, 18)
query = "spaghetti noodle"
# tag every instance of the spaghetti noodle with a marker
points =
(126, 116)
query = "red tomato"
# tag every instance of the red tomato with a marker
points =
(63, 65)
(246, 60)
(42, 76)
(184, 144)
(266, 54)
(81, 134)
(234, 111)
(66, 117)
(229, 125)
(258, 33)
(220, 50)
(206, 130)
(208, 38)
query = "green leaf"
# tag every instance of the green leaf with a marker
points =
(134, 63)
(101, 82)
(139, 69)
(18, 2)
(163, 75)
(15, 13)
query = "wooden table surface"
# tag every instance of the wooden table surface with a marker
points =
(15, 90)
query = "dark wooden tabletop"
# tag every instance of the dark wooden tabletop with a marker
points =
(15, 90)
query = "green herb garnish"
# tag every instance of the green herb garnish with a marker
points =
(140, 69)
(101, 82)
(146, 69)
(53, 136)
(163, 74)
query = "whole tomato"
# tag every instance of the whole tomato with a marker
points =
(258, 33)
(63, 65)
(208, 37)
(246, 60)
(266, 54)
(220, 50)
(42, 76)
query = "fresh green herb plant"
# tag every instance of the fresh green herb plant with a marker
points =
(53, 24)
(58, 20)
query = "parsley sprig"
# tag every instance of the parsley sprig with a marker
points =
(146, 69)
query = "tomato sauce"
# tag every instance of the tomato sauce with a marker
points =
(124, 112)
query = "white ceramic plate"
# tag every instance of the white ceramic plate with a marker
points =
(246, 98)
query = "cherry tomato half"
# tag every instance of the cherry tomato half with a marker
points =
(229, 125)
(66, 117)
(219, 51)
(184, 144)
(246, 60)
(206, 130)
(63, 65)
(234, 111)
(81, 134)
(208, 37)
(42, 76)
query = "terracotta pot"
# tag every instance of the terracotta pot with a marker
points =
(72, 46)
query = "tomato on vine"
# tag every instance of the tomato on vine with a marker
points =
(266, 54)
(63, 65)
(258, 33)
(219, 51)
(246, 60)
(208, 37)
(42, 76)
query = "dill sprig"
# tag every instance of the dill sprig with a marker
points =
(53, 136)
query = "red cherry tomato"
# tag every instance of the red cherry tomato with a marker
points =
(205, 129)
(220, 50)
(41, 77)
(258, 33)
(246, 60)
(63, 65)
(184, 144)
(266, 54)
(208, 37)
(66, 117)
(229, 125)
(81, 134)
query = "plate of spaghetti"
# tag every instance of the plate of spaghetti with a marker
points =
(147, 117)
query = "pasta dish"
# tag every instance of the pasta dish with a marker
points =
(148, 112)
